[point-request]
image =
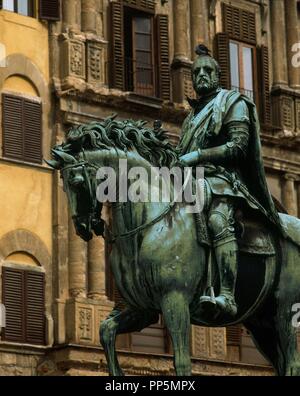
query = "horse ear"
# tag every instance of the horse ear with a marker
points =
(53, 163)
(63, 157)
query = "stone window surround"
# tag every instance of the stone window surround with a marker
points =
(25, 241)
(20, 65)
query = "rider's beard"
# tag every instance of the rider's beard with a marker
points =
(206, 87)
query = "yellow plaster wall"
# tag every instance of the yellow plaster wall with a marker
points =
(26, 201)
(20, 85)
(25, 35)
(26, 192)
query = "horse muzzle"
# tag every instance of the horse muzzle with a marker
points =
(83, 228)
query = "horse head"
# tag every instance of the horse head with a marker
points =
(80, 187)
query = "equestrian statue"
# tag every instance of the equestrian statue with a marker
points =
(235, 261)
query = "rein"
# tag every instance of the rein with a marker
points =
(134, 231)
(112, 237)
(156, 219)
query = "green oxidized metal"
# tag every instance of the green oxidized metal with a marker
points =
(238, 261)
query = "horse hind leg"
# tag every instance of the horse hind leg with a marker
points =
(120, 322)
(267, 342)
(175, 310)
(276, 339)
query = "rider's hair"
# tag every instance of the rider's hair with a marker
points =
(202, 50)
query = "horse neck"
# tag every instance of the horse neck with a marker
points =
(126, 216)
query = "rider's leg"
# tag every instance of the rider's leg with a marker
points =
(221, 225)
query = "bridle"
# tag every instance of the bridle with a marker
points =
(92, 215)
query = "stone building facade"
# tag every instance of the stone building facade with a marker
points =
(82, 60)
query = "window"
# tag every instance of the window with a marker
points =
(140, 49)
(242, 68)
(23, 294)
(22, 128)
(244, 65)
(48, 9)
(23, 7)
(139, 62)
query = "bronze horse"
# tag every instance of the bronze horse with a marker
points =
(158, 265)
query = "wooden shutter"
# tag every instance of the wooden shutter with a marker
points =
(239, 24)
(13, 299)
(148, 5)
(264, 85)
(117, 35)
(234, 335)
(32, 131)
(162, 24)
(12, 127)
(22, 129)
(223, 58)
(23, 294)
(35, 307)
(49, 10)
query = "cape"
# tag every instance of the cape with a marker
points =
(253, 171)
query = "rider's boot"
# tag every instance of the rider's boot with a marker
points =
(226, 256)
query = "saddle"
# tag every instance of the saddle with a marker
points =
(253, 236)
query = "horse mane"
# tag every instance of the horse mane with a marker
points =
(151, 144)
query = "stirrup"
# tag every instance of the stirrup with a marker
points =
(210, 299)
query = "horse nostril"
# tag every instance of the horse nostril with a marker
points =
(83, 226)
(76, 182)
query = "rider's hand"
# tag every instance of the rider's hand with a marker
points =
(190, 159)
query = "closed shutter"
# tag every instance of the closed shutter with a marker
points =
(162, 24)
(35, 307)
(12, 127)
(23, 294)
(13, 299)
(118, 58)
(239, 24)
(49, 10)
(32, 132)
(234, 335)
(264, 85)
(223, 57)
(22, 129)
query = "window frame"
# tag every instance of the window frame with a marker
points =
(142, 88)
(241, 88)
(31, 9)
(150, 90)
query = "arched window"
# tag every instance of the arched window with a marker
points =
(21, 121)
(23, 295)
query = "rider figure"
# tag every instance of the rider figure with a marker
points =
(221, 133)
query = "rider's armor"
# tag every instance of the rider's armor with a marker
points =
(218, 131)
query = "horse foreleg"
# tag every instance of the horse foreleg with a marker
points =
(175, 309)
(122, 322)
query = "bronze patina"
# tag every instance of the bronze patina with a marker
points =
(238, 249)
